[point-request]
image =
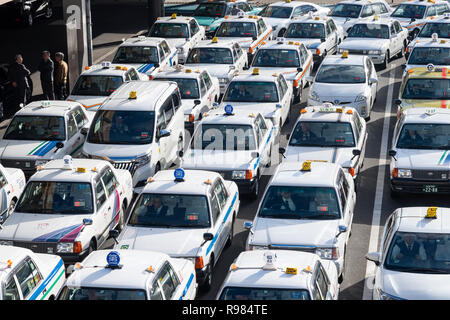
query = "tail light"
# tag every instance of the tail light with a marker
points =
(199, 263)
(191, 118)
(395, 173)
(351, 171)
(248, 174)
(77, 247)
(295, 83)
(318, 51)
(151, 77)
(335, 253)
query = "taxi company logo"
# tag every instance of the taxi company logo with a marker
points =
(42, 225)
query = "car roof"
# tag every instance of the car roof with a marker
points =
(412, 219)
(427, 115)
(195, 182)
(178, 19)
(142, 41)
(322, 174)
(221, 43)
(264, 75)
(317, 113)
(132, 274)
(352, 59)
(181, 73)
(247, 270)
(97, 69)
(239, 117)
(48, 108)
(422, 72)
(291, 4)
(148, 93)
(281, 45)
(429, 42)
(360, 2)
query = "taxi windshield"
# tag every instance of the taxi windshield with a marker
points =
(210, 55)
(276, 58)
(424, 136)
(427, 89)
(306, 30)
(170, 211)
(276, 12)
(188, 87)
(169, 30)
(224, 137)
(103, 86)
(53, 197)
(122, 127)
(236, 29)
(329, 73)
(322, 134)
(346, 10)
(240, 293)
(136, 54)
(442, 30)
(362, 30)
(210, 10)
(86, 293)
(436, 56)
(409, 11)
(299, 202)
(419, 253)
(251, 91)
(39, 128)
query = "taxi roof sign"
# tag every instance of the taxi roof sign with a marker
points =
(106, 64)
(132, 95)
(67, 159)
(45, 104)
(228, 110)
(174, 15)
(255, 71)
(215, 39)
(345, 54)
(113, 259)
(431, 213)
(306, 166)
(179, 174)
(430, 111)
(270, 258)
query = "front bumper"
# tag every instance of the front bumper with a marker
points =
(360, 106)
(419, 186)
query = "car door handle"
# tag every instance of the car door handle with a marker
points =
(109, 208)
(9, 191)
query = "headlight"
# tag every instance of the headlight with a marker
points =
(314, 96)
(384, 296)
(223, 80)
(360, 97)
(238, 174)
(6, 242)
(328, 253)
(404, 173)
(143, 160)
(252, 247)
(65, 247)
(374, 51)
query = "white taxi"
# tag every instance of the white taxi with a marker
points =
(420, 152)
(413, 261)
(321, 35)
(139, 128)
(198, 89)
(147, 55)
(347, 13)
(290, 58)
(380, 39)
(279, 14)
(25, 275)
(306, 207)
(221, 58)
(130, 275)
(237, 144)
(414, 14)
(435, 51)
(265, 92)
(97, 82)
(182, 33)
(346, 80)
(12, 183)
(186, 214)
(43, 131)
(280, 275)
(329, 133)
(249, 31)
(68, 207)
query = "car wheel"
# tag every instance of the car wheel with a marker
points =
(385, 62)
(206, 285)
(255, 192)
(402, 51)
(92, 247)
(341, 277)
(179, 148)
(231, 234)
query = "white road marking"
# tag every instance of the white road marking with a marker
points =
(376, 218)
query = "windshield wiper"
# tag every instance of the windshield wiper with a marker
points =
(321, 216)
(282, 215)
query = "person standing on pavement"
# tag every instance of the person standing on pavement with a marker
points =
(61, 70)
(46, 68)
(18, 75)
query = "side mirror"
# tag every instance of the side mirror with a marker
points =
(299, 69)
(232, 67)
(59, 145)
(398, 102)
(281, 150)
(255, 154)
(87, 222)
(413, 19)
(181, 153)
(342, 229)
(374, 257)
(248, 225)
(113, 233)
(392, 153)
(164, 133)
(403, 66)
(208, 236)
(322, 40)
(356, 152)
(84, 131)
(156, 65)
(373, 81)
(197, 102)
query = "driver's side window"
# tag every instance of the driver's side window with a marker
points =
(71, 126)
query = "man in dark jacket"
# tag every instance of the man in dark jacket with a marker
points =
(18, 75)
(46, 68)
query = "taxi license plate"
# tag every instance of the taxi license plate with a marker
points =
(429, 189)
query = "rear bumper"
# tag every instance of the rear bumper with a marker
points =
(245, 186)
(418, 187)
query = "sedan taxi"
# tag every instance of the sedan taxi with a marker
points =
(420, 152)
(43, 131)
(413, 261)
(221, 58)
(237, 144)
(25, 275)
(130, 275)
(68, 207)
(185, 214)
(329, 133)
(12, 183)
(182, 33)
(290, 58)
(435, 51)
(346, 80)
(280, 275)
(380, 39)
(306, 207)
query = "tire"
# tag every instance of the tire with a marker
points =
(121, 222)
(385, 62)
(92, 247)
(231, 235)
(206, 285)
(341, 277)
(402, 51)
(255, 192)
(281, 32)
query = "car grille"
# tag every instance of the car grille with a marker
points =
(430, 175)
(38, 247)
(299, 248)
(130, 166)
(356, 51)
(225, 174)
(338, 102)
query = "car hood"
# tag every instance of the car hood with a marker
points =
(243, 42)
(88, 102)
(43, 227)
(217, 160)
(289, 73)
(266, 109)
(174, 242)
(177, 42)
(344, 22)
(216, 70)
(404, 22)
(116, 152)
(341, 156)
(415, 286)
(314, 233)
(277, 23)
(331, 91)
(423, 159)
(364, 43)
(33, 150)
